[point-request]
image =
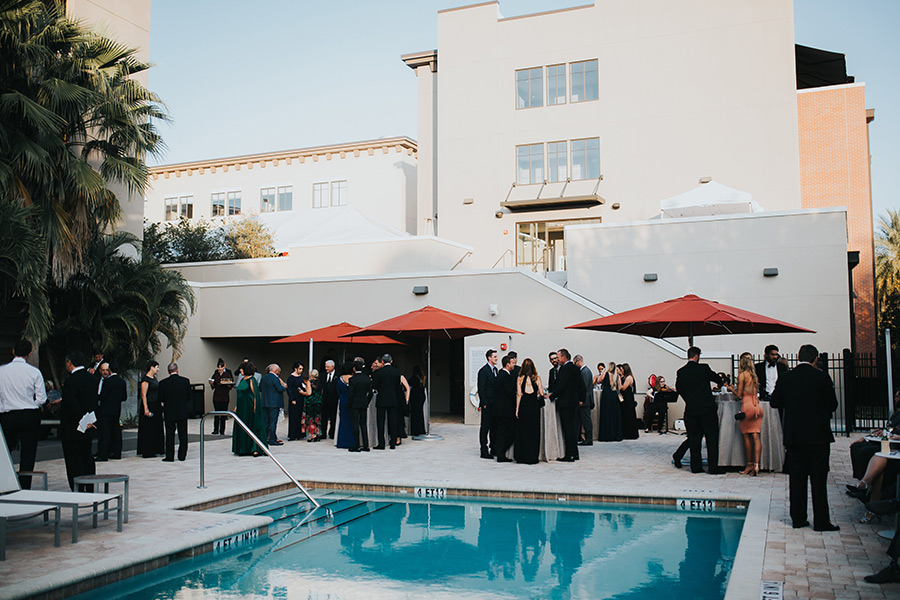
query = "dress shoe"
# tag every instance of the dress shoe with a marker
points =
(884, 507)
(826, 527)
(377, 447)
(182, 459)
(800, 525)
(889, 574)
(101, 459)
(504, 459)
(276, 443)
(584, 443)
(115, 458)
(168, 460)
(676, 462)
(364, 449)
(565, 459)
(486, 455)
(352, 449)
(715, 472)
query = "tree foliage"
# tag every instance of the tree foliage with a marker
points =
(23, 269)
(887, 273)
(248, 238)
(201, 241)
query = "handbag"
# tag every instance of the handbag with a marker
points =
(740, 416)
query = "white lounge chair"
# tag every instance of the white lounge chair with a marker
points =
(82, 504)
(11, 514)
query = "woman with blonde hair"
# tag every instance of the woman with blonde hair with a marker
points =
(751, 413)
(610, 417)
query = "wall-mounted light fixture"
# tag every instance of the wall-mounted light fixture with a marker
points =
(616, 206)
(650, 277)
(468, 200)
(770, 272)
(420, 290)
(705, 179)
(499, 214)
(493, 310)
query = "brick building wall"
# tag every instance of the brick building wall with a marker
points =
(835, 171)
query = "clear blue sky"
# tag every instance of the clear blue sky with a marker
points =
(242, 77)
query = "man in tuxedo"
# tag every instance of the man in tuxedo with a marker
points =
(568, 394)
(514, 364)
(392, 391)
(700, 413)
(360, 394)
(79, 397)
(271, 397)
(768, 371)
(487, 378)
(585, 408)
(807, 397)
(329, 399)
(505, 409)
(96, 361)
(175, 397)
(554, 371)
(22, 394)
(111, 393)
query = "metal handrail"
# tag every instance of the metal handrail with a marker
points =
(262, 447)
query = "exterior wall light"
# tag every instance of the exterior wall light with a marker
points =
(468, 200)
(770, 272)
(650, 277)
(420, 290)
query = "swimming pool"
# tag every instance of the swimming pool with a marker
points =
(383, 546)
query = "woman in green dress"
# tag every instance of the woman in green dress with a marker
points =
(312, 408)
(250, 411)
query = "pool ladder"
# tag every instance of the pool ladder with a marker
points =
(262, 447)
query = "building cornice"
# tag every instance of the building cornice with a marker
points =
(401, 144)
(427, 58)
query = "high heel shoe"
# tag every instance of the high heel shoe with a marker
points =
(868, 518)
(748, 469)
(755, 470)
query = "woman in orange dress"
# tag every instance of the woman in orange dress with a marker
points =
(751, 423)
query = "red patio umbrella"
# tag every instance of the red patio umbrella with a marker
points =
(428, 322)
(334, 334)
(688, 316)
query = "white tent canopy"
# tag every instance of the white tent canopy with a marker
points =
(322, 226)
(709, 199)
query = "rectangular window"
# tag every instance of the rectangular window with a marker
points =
(218, 204)
(286, 197)
(557, 163)
(530, 87)
(187, 207)
(586, 158)
(266, 200)
(556, 84)
(339, 193)
(583, 76)
(171, 209)
(234, 203)
(320, 195)
(530, 164)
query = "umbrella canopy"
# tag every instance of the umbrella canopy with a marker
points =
(335, 334)
(686, 317)
(433, 322)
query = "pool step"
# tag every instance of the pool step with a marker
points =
(320, 525)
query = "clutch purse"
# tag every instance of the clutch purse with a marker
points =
(740, 416)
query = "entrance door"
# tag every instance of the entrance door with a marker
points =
(541, 245)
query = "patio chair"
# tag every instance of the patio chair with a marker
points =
(15, 517)
(81, 504)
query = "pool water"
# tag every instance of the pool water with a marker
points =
(369, 546)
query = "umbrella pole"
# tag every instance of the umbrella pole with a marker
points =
(690, 334)
(428, 435)
(309, 367)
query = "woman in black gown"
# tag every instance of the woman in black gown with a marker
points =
(610, 417)
(529, 400)
(151, 437)
(417, 402)
(626, 388)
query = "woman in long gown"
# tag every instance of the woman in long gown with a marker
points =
(151, 437)
(295, 403)
(751, 424)
(417, 402)
(345, 423)
(249, 410)
(313, 408)
(627, 405)
(610, 415)
(529, 400)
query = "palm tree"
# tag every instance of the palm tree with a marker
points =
(23, 270)
(73, 122)
(887, 270)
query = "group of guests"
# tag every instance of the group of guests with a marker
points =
(332, 405)
(163, 410)
(511, 397)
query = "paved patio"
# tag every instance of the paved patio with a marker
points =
(811, 565)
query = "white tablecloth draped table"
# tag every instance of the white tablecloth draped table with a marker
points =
(731, 441)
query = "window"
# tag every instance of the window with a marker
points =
(187, 207)
(339, 193)
(218, 204)
(234, 203)
(556, 84)
(530, 87)
(267, 200)
(171, 209)
(320, 195)
(530, 164)
(286, 197)
(583, 76)
(586, 158)
(557, 163)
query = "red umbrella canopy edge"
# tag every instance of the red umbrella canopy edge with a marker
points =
(336, 334)
(437, 322)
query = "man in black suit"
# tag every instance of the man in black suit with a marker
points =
(175, 398)
(807, 397)
(505, 409)
(554, 371)
(112, 392)
(768, 371)
(487, 378)
(568, 394)
(360, 394)
(329, 399)
(514, 367)
(585, 421)
(700, 414)
(391, 387)
(79, 397)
